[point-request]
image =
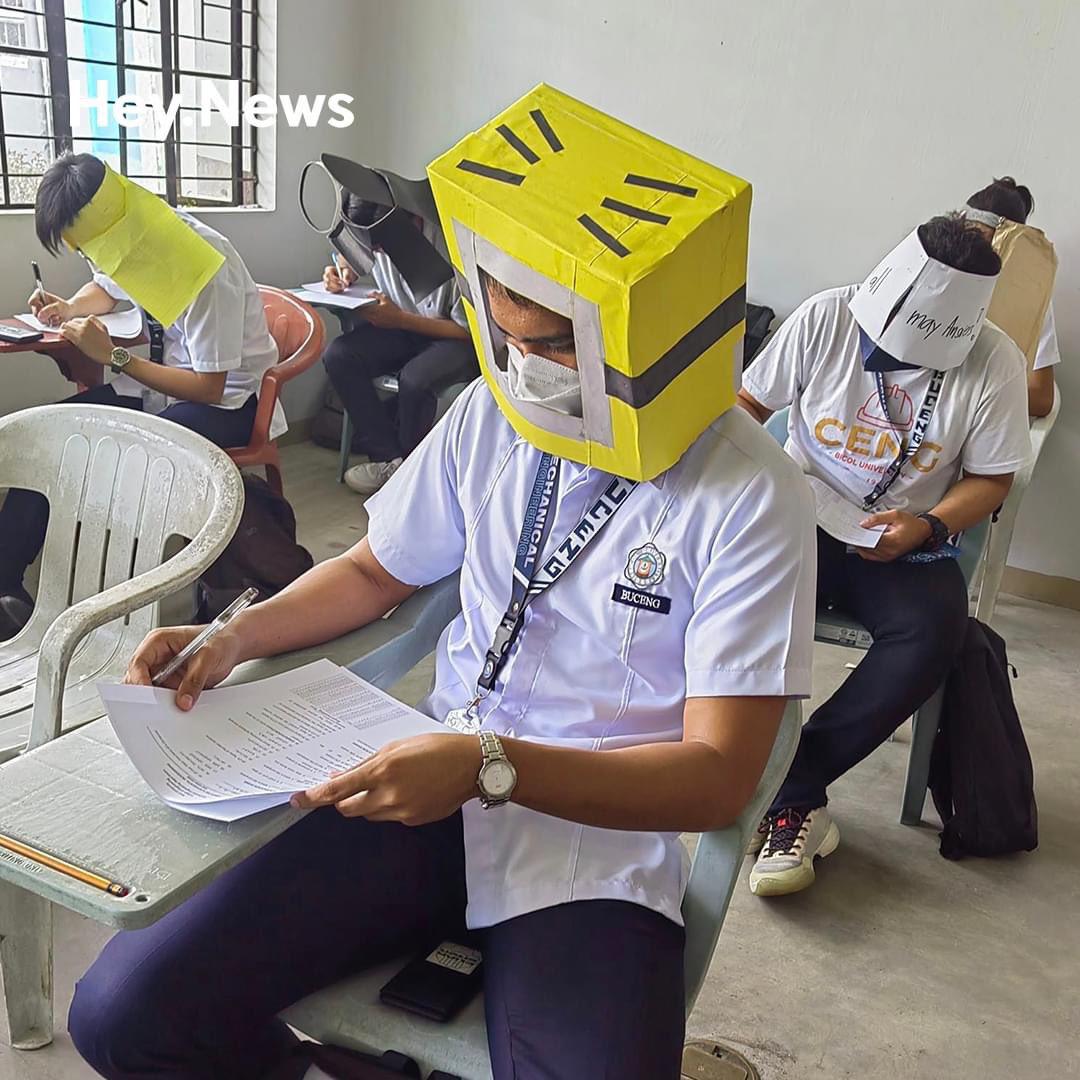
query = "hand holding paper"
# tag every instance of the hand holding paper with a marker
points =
(248, 748)
(842, 520)
(903, 533)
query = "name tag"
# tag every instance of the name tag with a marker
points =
(635, 598)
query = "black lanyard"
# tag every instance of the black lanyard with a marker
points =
(530, 583)
(156, 332)
(922, 422)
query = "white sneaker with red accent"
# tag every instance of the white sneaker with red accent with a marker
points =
(786, 862)
(758, 837)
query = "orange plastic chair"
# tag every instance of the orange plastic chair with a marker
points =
(299, 334)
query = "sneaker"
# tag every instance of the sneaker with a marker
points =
(761, 834)
(786, 862)
(366, 479)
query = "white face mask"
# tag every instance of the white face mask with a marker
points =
(542, 381)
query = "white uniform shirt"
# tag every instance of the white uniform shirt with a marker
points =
(1047, 353)
(734, 525)
(441, 303)
(837, 432)
(224, 329)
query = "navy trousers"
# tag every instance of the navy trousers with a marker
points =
(424, 366)
(24, 517)
(591, 988)
(917, 614)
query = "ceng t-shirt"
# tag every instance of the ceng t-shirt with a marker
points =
(838, 432)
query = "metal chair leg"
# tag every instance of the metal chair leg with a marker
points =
(923, 730)
(346, 446)
(26, 967)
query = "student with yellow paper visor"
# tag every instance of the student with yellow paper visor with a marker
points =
(209, 342)
(636, 575)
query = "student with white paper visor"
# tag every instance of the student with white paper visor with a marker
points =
(909, 409)
(637, 603)
(209, 342)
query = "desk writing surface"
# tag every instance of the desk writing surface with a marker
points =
(80, 798)
(73, 365)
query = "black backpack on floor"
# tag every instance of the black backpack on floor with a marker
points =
(262, 553)
(980, 771)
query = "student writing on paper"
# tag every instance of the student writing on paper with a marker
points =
(209, 340)
(998, 209)
(907, 402)
(633, 690)
(418, 329)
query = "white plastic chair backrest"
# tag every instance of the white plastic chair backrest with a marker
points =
(119, 485)
(413, 632)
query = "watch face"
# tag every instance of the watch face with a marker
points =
(497, 779)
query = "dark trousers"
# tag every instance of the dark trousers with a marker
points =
(591, 988)
(916, 613)
(24, 517)
(425, 365)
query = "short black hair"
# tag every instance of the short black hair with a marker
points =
(1006, 198)
(67, 186)
(959, 243)
(493, 285)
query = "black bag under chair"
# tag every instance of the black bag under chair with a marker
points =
(310, 1060)
(263, 552)
(981, 777)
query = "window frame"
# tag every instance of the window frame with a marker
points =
(56, 60)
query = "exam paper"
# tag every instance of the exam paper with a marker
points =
(120, 324)
(246, 748)
(355, 296)
(840, 519)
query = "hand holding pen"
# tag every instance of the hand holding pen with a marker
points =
(188, 659)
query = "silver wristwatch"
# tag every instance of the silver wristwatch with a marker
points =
(498, 777)
(119, 359)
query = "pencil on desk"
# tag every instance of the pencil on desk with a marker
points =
(87, 877)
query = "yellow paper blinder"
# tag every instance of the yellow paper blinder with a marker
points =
(135, 238)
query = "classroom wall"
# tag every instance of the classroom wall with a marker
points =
(276, 244)
(853, 120)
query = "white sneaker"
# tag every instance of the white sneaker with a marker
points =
(786, 862)
(759, 836)
(366, 479)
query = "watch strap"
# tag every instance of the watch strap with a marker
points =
(939, 532)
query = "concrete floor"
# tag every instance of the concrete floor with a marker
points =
(896, 963)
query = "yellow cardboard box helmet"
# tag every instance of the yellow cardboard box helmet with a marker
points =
(641, 246)
(140, 242)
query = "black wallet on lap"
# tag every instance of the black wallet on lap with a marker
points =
(440, 983)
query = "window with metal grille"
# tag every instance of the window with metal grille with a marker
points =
(52, 49)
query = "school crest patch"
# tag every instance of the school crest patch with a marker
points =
(645, 566)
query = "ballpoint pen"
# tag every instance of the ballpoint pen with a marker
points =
(197, 642)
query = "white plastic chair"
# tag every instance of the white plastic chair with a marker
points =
(350, 1013)
(1001, 531)
(836, 628)
(120, 484)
